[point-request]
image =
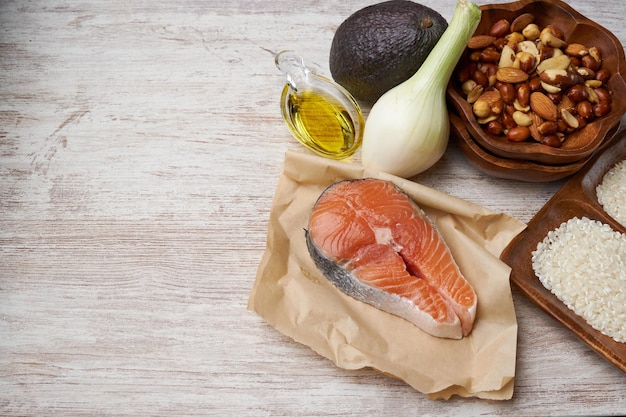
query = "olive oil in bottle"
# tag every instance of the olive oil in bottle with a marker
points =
(323, 124)
(319, 113)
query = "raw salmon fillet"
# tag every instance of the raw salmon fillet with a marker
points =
(375, 244)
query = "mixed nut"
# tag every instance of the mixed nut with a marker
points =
(527, 82)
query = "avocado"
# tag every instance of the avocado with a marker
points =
(382, 45)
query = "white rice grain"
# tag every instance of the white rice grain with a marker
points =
(583, 263)
(611, 192)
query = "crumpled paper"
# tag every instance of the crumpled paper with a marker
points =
(292, 295)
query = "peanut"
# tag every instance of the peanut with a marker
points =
(507, 92)
(467, 86)
(518, 134)
(476, 92)
(523, 94)
(578, 93)
(495, 128)
(601, 108)
(500, 28)
(604, 95)
(547, 128)
(522, 119)
(552, 140)
(584, 109)
(569, 119)
(590, 62)
(603, 75)
(489, 55)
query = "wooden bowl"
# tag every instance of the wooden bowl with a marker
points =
(512, 169)
(576, 29)
(577, 198)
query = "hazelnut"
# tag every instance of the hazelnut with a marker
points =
(531, 32)
(481, 108)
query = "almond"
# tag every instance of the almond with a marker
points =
(576, 49)
(511, 75)
(534, 127)
(543, 106)
(521, 21)
(490, 96)
(487, 106)
(480, 41)
(566, 104)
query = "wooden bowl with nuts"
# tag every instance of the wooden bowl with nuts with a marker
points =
(511, 169)
(540, 82)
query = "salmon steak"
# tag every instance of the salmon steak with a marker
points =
(375, 244)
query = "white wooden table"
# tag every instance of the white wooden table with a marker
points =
(140, 145)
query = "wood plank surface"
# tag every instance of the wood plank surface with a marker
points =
(140, 146)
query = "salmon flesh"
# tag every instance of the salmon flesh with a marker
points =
(376, 245)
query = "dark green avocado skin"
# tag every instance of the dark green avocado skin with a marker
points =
(382, 45)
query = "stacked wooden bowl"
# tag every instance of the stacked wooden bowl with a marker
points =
(530, 160)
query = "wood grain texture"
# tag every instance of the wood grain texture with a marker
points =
(140, 145)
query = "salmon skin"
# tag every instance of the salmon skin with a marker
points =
(374, 243)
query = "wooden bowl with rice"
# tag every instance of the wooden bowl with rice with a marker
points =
(586, 199)
(584, 42)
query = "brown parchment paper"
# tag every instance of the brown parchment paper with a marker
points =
(292, 295)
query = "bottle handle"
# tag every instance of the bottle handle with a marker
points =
(291, 64)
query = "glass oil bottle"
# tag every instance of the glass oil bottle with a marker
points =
(320, 114)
